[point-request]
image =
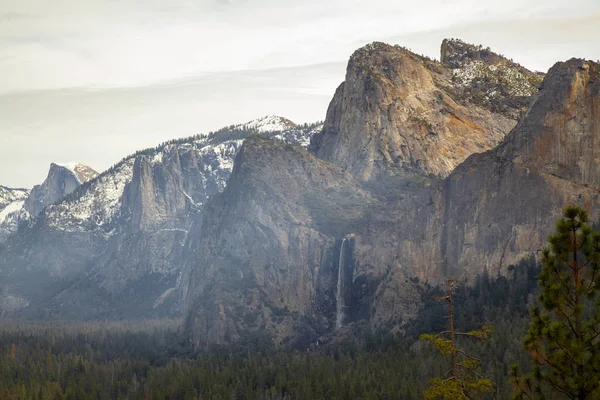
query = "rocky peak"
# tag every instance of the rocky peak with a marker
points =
(374, 56)
(398, 111)
(455, 53)
(560, 135)
(482, 77)
(501, 205)
(83, 173)
(62, 180)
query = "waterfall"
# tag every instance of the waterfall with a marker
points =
(339, 297)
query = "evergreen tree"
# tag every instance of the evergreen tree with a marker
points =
(463, 380)
(563, 337)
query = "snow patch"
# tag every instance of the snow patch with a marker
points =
(163, 297)
(515, 82)
(70, 165)
(158, 158)
(8, 195)
(270, 123)
(15, 206)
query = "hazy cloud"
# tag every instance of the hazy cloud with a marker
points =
(92, 80)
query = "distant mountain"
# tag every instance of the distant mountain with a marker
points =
(115, 246)
(11, 203)
(61, 181)
(8, 196)
(270, 123)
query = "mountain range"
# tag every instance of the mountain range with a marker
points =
(114, 246)
(422, 169)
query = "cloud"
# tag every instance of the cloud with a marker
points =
(99, 127)
(103, 43)
(536, 42)
(93, 80)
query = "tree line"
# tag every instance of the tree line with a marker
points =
(532, 334)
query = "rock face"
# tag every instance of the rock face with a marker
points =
(270, 250)
(499, 206)
(397, 110)
(502, 205)
(116, 246)
(61, 181)
(269, 257)
(265, 260)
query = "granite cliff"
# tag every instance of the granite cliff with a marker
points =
(265, 258)
(397, 110)
(336, 232)
(501, 205)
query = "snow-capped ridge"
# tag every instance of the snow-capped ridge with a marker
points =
(98, 201)
(134, 219)
(20, 206)
(8, 195)
(10, 208)
(269, 123)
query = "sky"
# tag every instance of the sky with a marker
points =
(92, 81)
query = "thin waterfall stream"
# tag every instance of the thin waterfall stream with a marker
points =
(339, 297)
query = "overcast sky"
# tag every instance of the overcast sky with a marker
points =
(94, 80)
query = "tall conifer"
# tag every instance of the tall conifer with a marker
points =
(564, 335)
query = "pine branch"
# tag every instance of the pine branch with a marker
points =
(469, 334)
(468, 355)
(556, 387)
(473, 371)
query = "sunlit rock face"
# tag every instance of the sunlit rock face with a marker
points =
(398, 110)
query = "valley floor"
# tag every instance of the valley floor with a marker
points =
(154, 360)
